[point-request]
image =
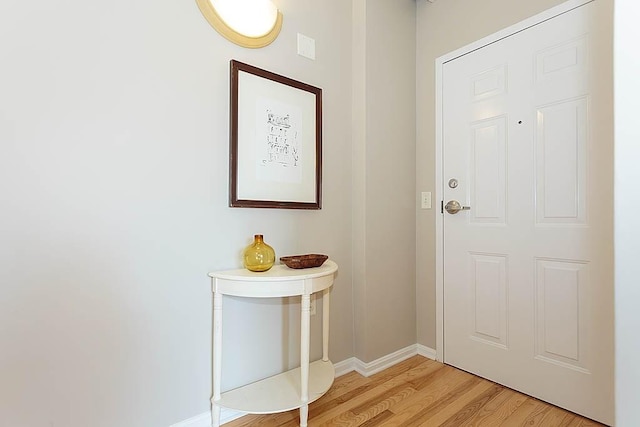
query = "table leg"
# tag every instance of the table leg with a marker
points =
(305, 322)
(217, 357)
(326, 296)
(304, 415)
(215, 415)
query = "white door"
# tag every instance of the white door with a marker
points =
(528, 270)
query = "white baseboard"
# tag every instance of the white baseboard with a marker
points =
(427, 352)
(204, 419)
(369, 368)
(344, 367)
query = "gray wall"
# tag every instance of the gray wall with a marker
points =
(384, 176)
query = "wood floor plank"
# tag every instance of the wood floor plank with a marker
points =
(344, 384)
(423, 401)
(463, 415)
(441, 410)
(435, 390)
(420, 414)
(570, 420)
(385, 400)
(421, 392)
(556, 417)
(370, 411)
(503, 411)
(583, 422)
(323, 406)
(272, 420)
(489, 408)
(379, 385)
(378, 420)
(424, 371)
(438, 371)
(537, 415)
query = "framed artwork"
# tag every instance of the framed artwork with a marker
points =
(275, 141)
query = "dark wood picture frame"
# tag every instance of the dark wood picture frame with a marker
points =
(275, 153)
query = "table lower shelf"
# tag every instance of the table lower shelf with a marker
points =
(279, 393)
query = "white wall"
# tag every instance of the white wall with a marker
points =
(113, 189)
(627, 206)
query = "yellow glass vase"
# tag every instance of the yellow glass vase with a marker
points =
(258, 256)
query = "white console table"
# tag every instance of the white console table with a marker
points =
(292, 389)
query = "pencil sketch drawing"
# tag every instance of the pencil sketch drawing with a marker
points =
(278, 142)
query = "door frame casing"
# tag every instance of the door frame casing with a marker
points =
(439, 143)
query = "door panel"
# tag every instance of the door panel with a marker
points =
(488, 312)
(561, 154)
(561, 287)
(488, 171)
(528, 271)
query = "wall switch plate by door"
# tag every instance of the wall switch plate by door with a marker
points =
(426, 200)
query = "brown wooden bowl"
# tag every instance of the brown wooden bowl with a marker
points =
(304, 261)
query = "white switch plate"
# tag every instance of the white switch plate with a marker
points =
(426, 200)
(306, 46)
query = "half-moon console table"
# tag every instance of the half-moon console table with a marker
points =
(292, 389)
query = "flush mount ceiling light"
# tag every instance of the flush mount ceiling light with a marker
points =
(248, 23)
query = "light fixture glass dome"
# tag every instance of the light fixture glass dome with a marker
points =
(252, 18)
(248, 23)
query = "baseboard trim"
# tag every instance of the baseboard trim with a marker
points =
(345, 366)
(351, 364)
(204, 419)
(427, 352)
(369, 368)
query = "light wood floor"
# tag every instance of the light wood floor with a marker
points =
(421, 392)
